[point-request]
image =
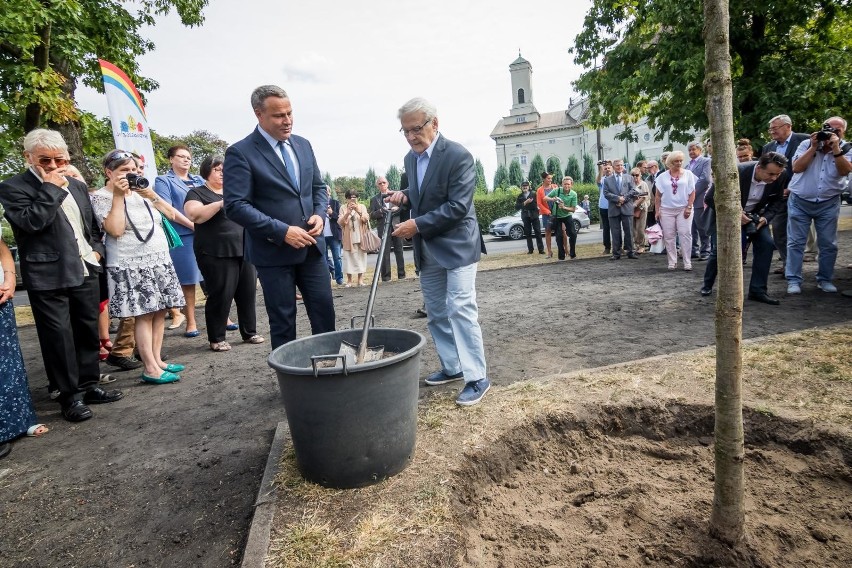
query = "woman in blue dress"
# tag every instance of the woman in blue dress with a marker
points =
(17, 416)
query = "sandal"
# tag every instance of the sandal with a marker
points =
(255, 339)
(37, 430)
(221, 346)
(178, 321)
(105, 379)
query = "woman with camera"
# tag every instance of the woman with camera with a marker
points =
(673, 206)
(354, 220)
(218, 246)
(142, 280)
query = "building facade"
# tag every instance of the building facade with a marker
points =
(526, 132)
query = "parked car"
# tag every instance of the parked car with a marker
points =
(19, 283)
(512, 226)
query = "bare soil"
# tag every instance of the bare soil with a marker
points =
(168, 475)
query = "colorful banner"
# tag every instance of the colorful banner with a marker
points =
(127, 113)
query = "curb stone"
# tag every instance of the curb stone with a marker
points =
(257, 544)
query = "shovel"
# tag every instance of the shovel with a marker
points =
(363, 353)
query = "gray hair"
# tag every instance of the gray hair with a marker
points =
(260, 94)
(43, 138)
(782, 118)
(840, 118)
(650, 163)
(695, 144)
(418, 104)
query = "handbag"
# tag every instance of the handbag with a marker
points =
(171, 235)
(370, 241)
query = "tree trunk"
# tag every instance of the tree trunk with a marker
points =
(727, 521)
(72, 130)
(41, 58)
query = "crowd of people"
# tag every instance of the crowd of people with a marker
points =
(261, 212)
(790, 197)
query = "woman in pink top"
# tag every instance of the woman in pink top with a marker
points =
(673, 206)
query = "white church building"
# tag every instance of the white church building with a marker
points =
(563, 133)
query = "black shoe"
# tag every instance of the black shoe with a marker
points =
(704, 256)
(421, 312)
(706, 291)
(633, 256)
(615, 257)
(529, 252)
(400, 276)
(763, 298)
(98, 395)
(606, 251)
(541, 252)
(76, 412)
(5, 448)
(123, 363)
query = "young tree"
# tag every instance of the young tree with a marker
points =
(555, 167)
(501, 177)
(201, 144)
(481, 185)
(639, 157)
(516, 174)
(393, 177)
(573, 169)
(326, 178)
(369, 189)
(536, 168)
(47, 47)
(645, 58)
(589, 172)
(727, 521)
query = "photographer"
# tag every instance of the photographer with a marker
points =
(762, 197)
(820, 166)
(142, 280)
(563, 203)
(526, 202)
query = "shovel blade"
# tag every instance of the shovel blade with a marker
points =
(371, 354)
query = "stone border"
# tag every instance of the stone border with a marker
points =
(257, 543)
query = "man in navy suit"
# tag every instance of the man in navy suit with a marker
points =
(273, 188)
(786, 142)
(447, 246)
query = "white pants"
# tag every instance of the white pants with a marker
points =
(675, 225)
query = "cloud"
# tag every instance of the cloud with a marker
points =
(308, 67)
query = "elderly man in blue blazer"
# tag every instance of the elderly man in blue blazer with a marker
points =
(273, 188)
(700, 166)
(447, 246)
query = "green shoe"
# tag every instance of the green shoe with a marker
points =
(174, 367)
(166, 377)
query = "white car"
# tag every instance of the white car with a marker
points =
(512, 226)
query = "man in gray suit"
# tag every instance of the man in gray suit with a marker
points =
(784, 141)
(616, 190)
(447, 246)
(700, 166)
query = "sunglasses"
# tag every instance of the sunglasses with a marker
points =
(45, 161)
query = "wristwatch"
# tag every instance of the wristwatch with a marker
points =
(837, 155)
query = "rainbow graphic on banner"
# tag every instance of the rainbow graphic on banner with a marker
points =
(128, 117)
(115, 76)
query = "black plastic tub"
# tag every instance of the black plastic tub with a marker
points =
(357, 425)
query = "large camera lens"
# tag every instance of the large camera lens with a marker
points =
(137, 182)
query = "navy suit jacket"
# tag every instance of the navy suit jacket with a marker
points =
(443, 207)
(50, 258)
(260, 197)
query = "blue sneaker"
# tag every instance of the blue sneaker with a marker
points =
(473, 392)
(826, 286)
(793, 288)
(441, 378)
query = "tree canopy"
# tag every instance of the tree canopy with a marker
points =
(573, 169)
(369, 188)
(501, 177)
(554, 166)
(536, 169)
(481, 184)
(47, 46)
(516, 174)
(393, 176)
(588, 169)
(646, 59)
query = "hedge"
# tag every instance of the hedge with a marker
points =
(501, 202)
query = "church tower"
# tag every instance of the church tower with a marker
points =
(523, 109)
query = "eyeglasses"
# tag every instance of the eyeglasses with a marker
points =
(45, 161)
(415, 130)
(774, 128)
(182, 157)
(218, 169)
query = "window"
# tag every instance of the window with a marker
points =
(552, 141)
(520, 96)
(521, 119)
(523, 160)
(518, 145)
(647, 137)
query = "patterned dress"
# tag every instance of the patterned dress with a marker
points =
(16, 407)
(140, 273)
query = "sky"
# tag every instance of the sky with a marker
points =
(348, 67)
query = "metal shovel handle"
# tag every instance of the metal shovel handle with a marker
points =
(362, 347)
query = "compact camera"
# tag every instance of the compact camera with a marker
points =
(137, 182)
